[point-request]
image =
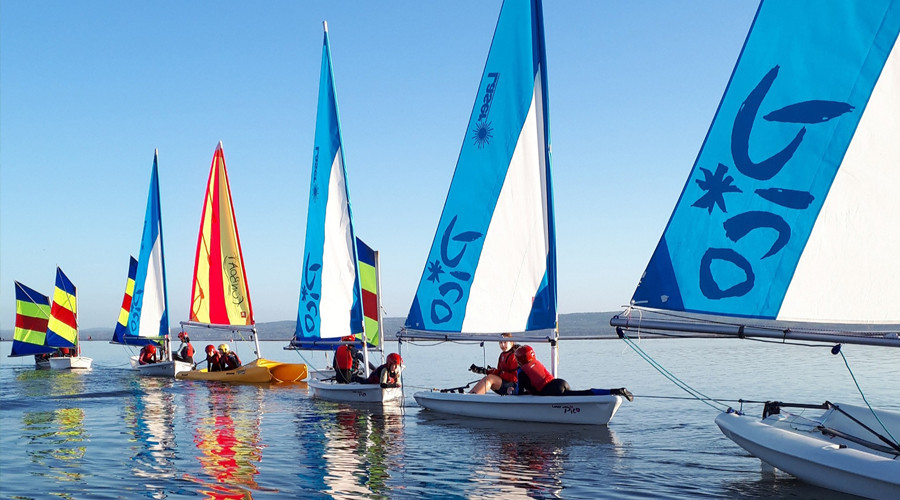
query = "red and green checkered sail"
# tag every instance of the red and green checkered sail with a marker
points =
(32, 315)
(62, 328)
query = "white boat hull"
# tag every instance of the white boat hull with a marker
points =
(71, 363)
(162, 369)
(815, 458)
(354, 393)
(583, 410)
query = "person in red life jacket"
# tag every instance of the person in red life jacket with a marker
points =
(213, 359)
(346, 361)
(388, 374)
(147, 355)
(230, 359)
(62, 352)
(535, 379)
(502, 378)
(186, 353)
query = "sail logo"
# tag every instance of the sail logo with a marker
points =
(137, 300)
(310, 276)
(483, 132)
(716, 185)
(452, 290)
(232, 270)
(315, 174)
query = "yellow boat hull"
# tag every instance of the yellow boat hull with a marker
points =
(259, 371)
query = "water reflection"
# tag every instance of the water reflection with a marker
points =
(150, 419)
(520, 459)
(227, 435)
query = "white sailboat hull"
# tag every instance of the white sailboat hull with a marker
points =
(71, 363)
(809, 455)
(354, 393)
(583, 410)
(162, 369)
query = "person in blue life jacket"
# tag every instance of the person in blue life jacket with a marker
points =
(388, 374)
(534, 378)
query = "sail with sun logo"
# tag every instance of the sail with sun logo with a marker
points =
(491, 268)
(789, 215)
(221, 298)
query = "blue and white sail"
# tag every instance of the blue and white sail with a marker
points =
(492, 265)
(789, 212)
(330, 304)
(148, 318)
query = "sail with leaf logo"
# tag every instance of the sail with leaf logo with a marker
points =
(786, 227)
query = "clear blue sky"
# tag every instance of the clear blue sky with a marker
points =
(88, 89)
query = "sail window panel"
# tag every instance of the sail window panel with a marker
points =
(848, 271)
(514, 256)
(338, 263)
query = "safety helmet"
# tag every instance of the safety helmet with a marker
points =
(210, 349)
(349, 338)
(223, 348)
(524, 354)
(151, 348)
(395, 359)
(182, 335)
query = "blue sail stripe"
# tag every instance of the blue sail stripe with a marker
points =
(787, 117)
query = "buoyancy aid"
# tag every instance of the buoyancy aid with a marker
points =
(343, 358)
(187, 351)
(537, 374)
(507, 366)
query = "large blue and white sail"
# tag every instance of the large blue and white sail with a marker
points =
(790, 210)
(492, 265)
(330, 304)
(149, 314)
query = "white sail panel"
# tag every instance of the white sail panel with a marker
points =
(153, 306)
(514, 257)
(338, 262)
(848, 271)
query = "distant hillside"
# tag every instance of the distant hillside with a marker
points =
(570, 325)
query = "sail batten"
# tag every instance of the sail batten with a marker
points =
(788, 211)
(492, 264)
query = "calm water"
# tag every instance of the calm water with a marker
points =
(110, 434)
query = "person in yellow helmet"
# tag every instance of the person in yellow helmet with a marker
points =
(230, 359)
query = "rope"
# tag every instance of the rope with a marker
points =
(699, 396)
(847, 364)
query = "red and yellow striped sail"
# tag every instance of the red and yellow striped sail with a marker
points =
(32, 313)
(62, 329)
(220, 292)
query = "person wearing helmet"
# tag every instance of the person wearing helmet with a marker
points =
(186, 353)
(502, 378)
(213, 359)
(230, 359)
(535, 379)
(388, 374)
(147, 355)
(347, 362)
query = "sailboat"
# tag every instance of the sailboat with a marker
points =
(492, 266)
(789, 215)
(335, 261)
(30, 335)
(144, 318)
(221, 296)
(62, 327)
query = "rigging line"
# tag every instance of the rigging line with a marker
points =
(847, 364)
(678, 382)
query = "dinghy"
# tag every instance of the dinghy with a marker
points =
(144, 316)
(492, 266)
(789, 215)
(339, 295)
(62, 328)
(220, 299)
(30, 335)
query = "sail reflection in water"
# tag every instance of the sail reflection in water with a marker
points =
(150, 418)
(227, 436)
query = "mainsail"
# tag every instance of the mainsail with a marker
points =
(62, 327)
(220, 292)
(32, 316)
(330, 304)
(492, 264)
(789, 211)
(148, 317)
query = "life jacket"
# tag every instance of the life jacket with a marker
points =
(537, 374)
(187, 351)
(146, 356)
(507, 366)
(231, 361)
(213, 362)
(343, 358)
